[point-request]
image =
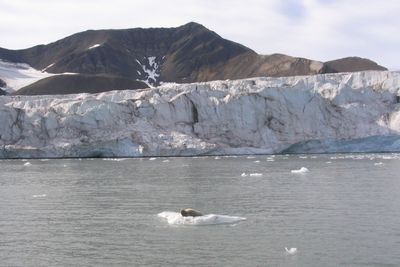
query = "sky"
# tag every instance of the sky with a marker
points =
(317, 29)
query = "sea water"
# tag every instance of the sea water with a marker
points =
(344, 211)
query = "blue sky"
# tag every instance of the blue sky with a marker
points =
(316, 29)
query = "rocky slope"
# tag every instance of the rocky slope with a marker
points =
(321, 113)
(79, 83)
(189, 53)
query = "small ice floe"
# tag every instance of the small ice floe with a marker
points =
(244, 174)
(152, 158)
(256, 174)
(114, 159)
(39, 196)
(301, 170)
(328, 162)
(257, 161)
(251, 157)
(165, 160)
(27, 164)
(44, 160)
(378, 163)
(291, 251)
(303, 157)
(217, 157)
(176, 218)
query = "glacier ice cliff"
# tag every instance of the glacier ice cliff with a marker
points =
(345, 112)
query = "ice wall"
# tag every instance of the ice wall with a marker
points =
(343, 112)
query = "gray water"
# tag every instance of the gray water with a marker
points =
(344, 212)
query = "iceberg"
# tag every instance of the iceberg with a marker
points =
(175, 218)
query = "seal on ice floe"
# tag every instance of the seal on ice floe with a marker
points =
(190, 212)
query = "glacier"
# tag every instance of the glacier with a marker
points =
(344, 112)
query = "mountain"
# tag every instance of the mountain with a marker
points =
(345, 112)
(79, 83)
(189, 53)
(350, 64)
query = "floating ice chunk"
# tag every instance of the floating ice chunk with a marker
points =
(217, 157)
(257, 161)
(244, 174)
(291, 251)
(175, 218)
(301, 170)
(39, 196)
(165, 160)
(27, 164)
(378, 163)
(328, 162)
(256, 174)
(251, 157)
(115, 159)
(152, 158)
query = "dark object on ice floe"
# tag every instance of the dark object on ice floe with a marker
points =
(190, 212)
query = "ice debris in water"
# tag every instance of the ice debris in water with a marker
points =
(165, 160)
(175, 218)
(291, 251)
(27, 164)
(378, 163)
(38, 196)
(152, 158)
(244, 174)
(255, 174)
(301, 170)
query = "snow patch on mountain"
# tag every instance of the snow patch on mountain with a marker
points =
(151, 71)
(18, 75)
(94, 46)
(344, 112)
(48, 67)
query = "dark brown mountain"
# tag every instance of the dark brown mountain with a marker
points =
(350, 64)
(188, 53)
(79, 83)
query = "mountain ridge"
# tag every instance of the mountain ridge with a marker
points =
(188, 53)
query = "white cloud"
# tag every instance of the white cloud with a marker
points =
(317, 29)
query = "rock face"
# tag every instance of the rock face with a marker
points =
(189, 53)
(321, 113)
(2, 85)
